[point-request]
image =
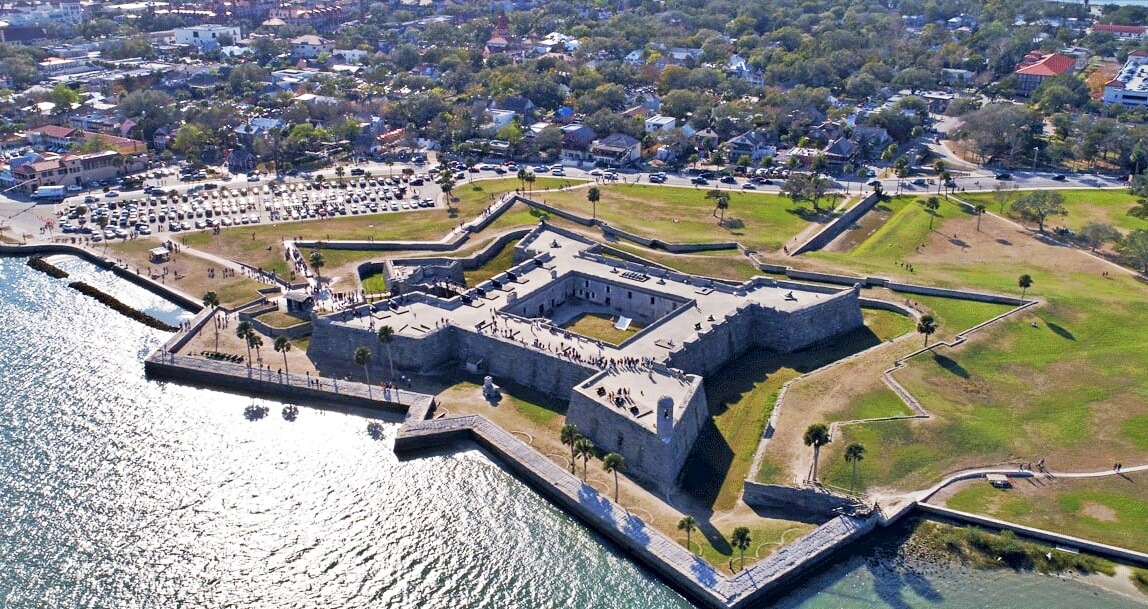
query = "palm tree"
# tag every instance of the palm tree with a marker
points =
(722, 199)
(979, 210)
(363, 358)
(317, 262)
(211, 299)
(687, 524)
(614, 462)
(593, 195)
(854, 453)
(932, 204)
(569, 436)
(740, 540)
(254, 340)
(1025, 282)
(243, 331)
(340, 172)
(817, 435)
(530, 180)
(927, 325)
(387, 336)
(584, 448)
(522, 178)
(282, 345)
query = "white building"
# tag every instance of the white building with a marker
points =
(310, 46)
(58, 12)
(660, 123)
(1130, 87)
(206, 36)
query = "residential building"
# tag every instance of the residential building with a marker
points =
(616, 150)
(57, 136)
(1038, 66)
(1122, 32)
(67, 170)
(317, 16)
(310, 46)
(752, 144)
(56, 12)
(576, 141)
(660, 123)
(1130, 87)
(206, 37)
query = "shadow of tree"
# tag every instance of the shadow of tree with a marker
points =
(959, 243)
(1060, 331)
(950, 365)
(1003, 241)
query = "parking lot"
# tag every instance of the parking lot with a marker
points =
(210, 207)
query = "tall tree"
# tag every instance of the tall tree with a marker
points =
(741, 540)
(932, 204)
(569, 436)
(1095, 234)
(363, 358)
(687, 524)
(1135, 247)
(721, 199)
(282, 345)
(387, 336)
(853, 453)
(584, 448)
(816, 435)
(1024, 282)
(244, 330)
(255, 341)
(211, 299)
(927, 325)
(317, 262)
(593, 195)
(613, 463)
(1038, 205)
(979, 210)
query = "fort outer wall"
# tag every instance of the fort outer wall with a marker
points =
(650, 456)
(502, 358)
(784, 332)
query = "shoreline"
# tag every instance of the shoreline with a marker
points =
(715, 589)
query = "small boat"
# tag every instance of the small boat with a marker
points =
(290, 412)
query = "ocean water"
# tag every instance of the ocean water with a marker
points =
(120, 492)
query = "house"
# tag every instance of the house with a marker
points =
(67, 170)
(737, 67)
(56, 12)
(1130, 87)
(500, 39)
(206, 37)
(350, 55)
(576, 141)
(616, 150)
(706, 139)
(517, 104)
(683, 56)
(310, 46)
(241, 160)
(22, 35)
(752, 144)
(499, 118)
(1121, 32)
(660, 123)
(1038, 66)
(635, 58)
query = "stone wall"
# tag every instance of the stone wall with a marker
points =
(649, 457)
(778, 497)
(838, 226)
(505, 359)
(643, 306)
(707, 352)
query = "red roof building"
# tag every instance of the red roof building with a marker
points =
(1126, 32)
(1039, 65)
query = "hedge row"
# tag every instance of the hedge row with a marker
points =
(120, 307)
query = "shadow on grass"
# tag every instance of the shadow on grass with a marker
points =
(809, 215)
(950, 365)
(1003, 241)
(959, 243)
(789, 513)
(1060, 331)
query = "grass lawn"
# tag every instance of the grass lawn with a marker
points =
(1110, 510)
(741, 397)
(1083, 206)
(192, 271)
(887, 325)
(375, 284)
(684, 215)
(478, 193)
(499, 263)
(279, 319)
(601, 327)
(766, 536)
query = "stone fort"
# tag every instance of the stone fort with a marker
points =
(643, 397)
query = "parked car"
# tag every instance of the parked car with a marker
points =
(1004, 175)
(1059, 177)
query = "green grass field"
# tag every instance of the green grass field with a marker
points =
(887, 325)
(684, 215)
(499, 263)
(600, 327)
(1083, 206)
(1110, 510)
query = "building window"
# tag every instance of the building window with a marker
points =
(651, 300)
(629, 294)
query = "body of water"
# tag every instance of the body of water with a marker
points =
(120, 492)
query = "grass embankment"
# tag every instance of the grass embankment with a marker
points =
(279, 319)
(1071, 389)
(1083, 206)
(986, 550)
(683, 215)
(187, 272)
(502, 261)
(741, 398)
(1110, 510)
(887, 325)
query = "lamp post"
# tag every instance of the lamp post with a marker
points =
(1035, 156)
